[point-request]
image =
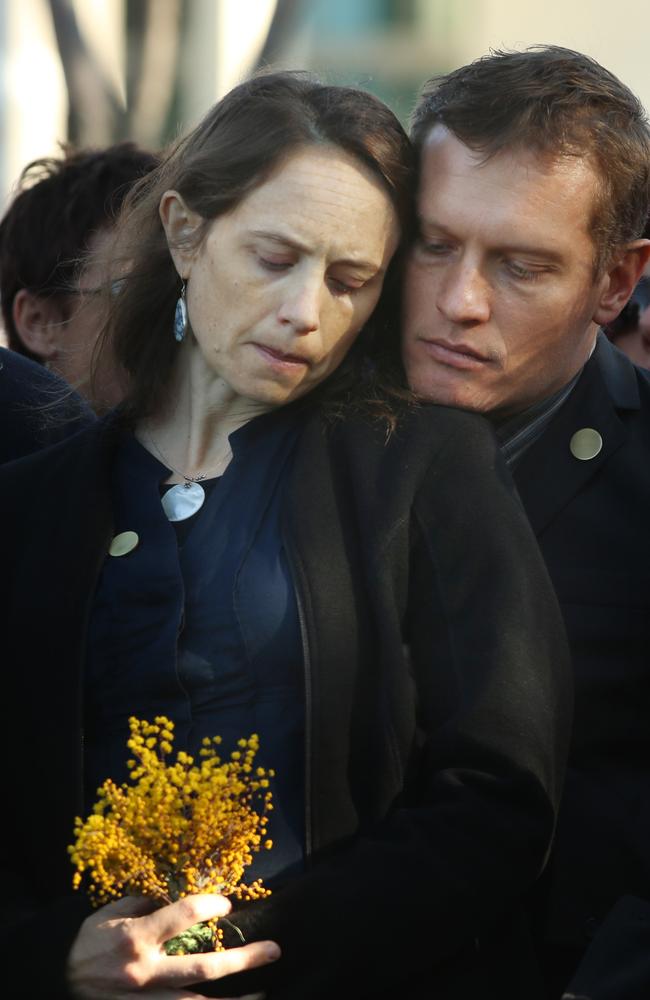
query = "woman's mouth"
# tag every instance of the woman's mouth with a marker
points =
(282, 359)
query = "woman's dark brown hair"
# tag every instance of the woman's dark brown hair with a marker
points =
(232, 151)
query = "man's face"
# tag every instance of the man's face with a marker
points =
(76, 337)
(500, 292)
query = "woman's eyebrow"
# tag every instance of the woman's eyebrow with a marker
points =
(296, 244)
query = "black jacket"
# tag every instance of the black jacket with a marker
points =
(37, 408)
(591, 520)
(437, 687)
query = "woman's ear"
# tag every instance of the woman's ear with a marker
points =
(180, 224)
(38, 320)
(620, 281)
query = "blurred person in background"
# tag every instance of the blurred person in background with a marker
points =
(534, 193)
(630, 331)
(59, 219)
(269, 536)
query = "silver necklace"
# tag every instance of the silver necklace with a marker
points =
(184, 499)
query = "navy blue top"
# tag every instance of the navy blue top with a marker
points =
(204, 628)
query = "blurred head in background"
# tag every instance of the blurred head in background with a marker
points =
(59, 220)
(630, 331)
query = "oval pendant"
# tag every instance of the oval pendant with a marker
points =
(180, 319)
(183, 500)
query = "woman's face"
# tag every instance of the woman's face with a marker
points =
(281, 286)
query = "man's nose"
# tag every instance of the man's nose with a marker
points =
(301, 305)
(465, 295)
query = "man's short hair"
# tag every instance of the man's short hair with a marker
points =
(60, 204)
(554, 102)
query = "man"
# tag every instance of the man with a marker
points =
(534, 192)
(52, 305)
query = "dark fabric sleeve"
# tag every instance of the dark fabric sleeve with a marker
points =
(490, 659)
(43, 575)
(616, 966)
(36, 947)
(37, 408)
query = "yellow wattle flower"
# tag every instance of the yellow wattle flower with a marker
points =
(178, 828)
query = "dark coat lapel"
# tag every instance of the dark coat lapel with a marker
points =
(312, 534)
(549, 476)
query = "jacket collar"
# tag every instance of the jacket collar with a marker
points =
(549, 475)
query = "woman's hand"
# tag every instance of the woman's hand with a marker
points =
(119, 951)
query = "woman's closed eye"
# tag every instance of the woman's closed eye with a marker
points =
(343, 280)
(270, 263)
(342, 286)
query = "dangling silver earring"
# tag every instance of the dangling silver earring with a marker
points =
(180, 317)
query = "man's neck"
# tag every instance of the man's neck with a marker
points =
(517, 433)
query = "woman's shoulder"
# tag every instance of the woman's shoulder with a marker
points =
(391, 466)
(423, 429)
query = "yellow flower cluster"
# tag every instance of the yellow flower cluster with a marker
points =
(178, 828)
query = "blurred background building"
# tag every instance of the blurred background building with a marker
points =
(94, 71)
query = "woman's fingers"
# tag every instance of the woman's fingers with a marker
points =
(118, 951)
(127, 906)
(165, 923)
(176, 995)
(185, 970)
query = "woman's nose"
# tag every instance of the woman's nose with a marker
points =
(301, 306)
(465, 296)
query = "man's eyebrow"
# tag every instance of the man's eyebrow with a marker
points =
(545, 253)
(548, 253)
(295, 244)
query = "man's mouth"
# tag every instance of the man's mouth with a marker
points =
(455, 355)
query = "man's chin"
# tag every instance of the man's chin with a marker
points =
(462, 396)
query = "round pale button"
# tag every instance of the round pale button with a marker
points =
(586, 444)
(123, 543)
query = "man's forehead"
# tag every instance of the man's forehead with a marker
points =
(443, 151)
(515, 184)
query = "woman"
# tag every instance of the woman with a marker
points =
(307, 558)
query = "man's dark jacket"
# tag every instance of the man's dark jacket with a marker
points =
(37, 408)
(438, 699)
(592, 521)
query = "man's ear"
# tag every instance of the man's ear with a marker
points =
(38, 320)
(620, 281)
(180, 224)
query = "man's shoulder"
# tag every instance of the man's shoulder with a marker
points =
(594, 453)
(622, 377)
(26, 381)
(37, 408)
(86, 449)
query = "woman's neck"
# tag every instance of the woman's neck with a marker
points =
(191, 435)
